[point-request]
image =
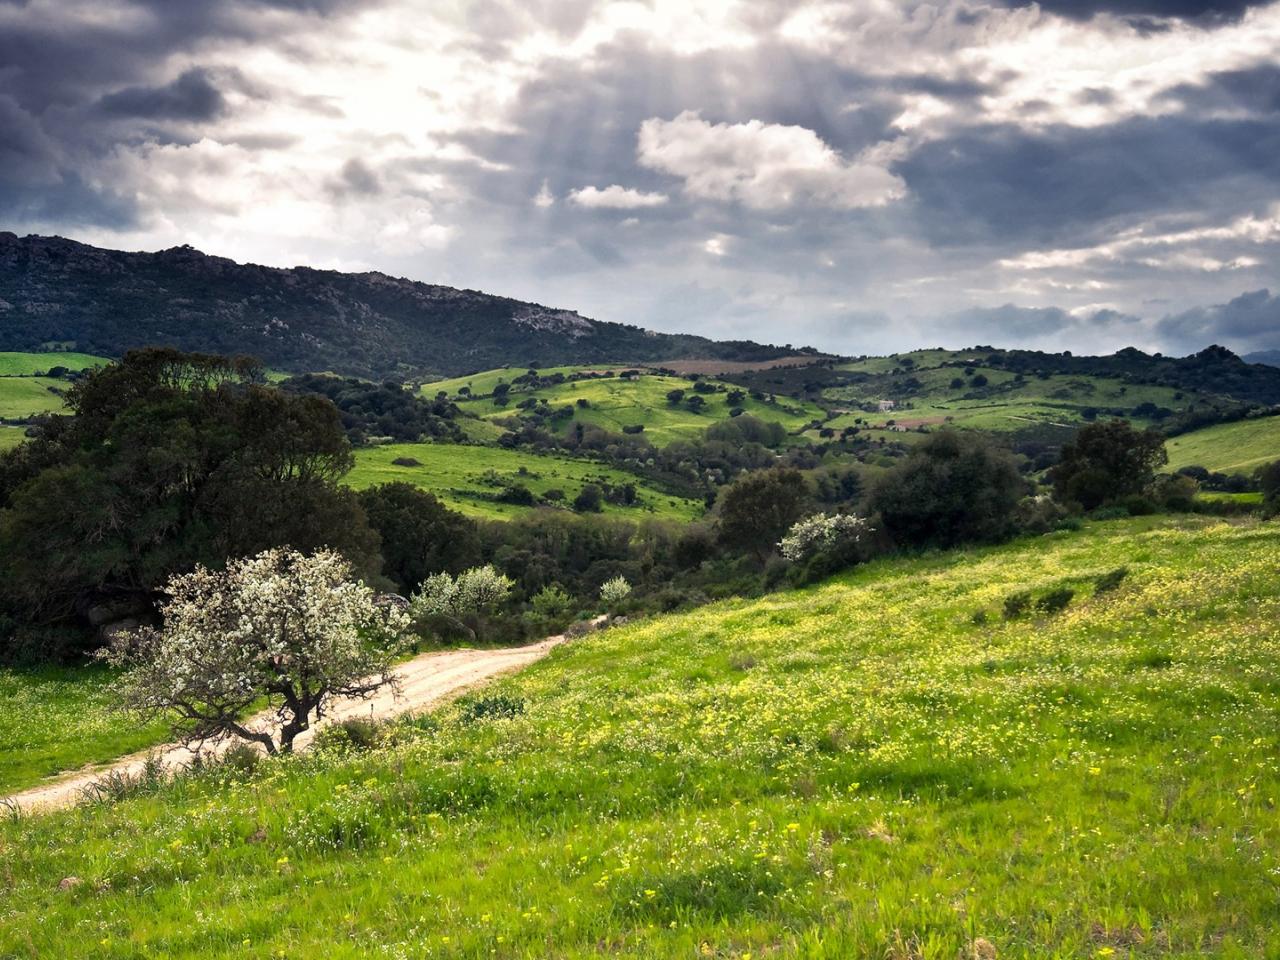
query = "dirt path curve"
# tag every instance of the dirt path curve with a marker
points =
(424, 680)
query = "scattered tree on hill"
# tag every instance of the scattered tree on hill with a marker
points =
(758, 508)
(589, 499)
(822, 533)
(458, 600)
(1269, 483)
(955, 487)
(1107, 462)
(613, 592)
(294, 629)
(420, 535)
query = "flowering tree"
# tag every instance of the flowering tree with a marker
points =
(822, 533)
(292, 628)
(613, 592)
(473, 591)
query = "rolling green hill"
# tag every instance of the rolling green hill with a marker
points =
(10, 437)
(32, 364)
(618, 402)
(1238, 447)
(859, 769)
(468, 478)
(22, 397)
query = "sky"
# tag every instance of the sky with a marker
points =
(861, 177)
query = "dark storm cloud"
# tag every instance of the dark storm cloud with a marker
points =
(192, 96)
(1255, 92)
(355, 179)
(1014, 324)
(1206, 12)
(1249, 322)
(1069, 185)
(67, 62)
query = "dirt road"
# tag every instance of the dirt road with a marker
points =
(425, 680)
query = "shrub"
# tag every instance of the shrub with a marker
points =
(613, 592)
(406, 462)
(551, 602)
(352, 734)
(1055, 601)
(589, 499)
(955, 487)
(496, 707)
(1016, 604)
(1106, 462)
(451, 599)
(1107, 582)
(823, 534)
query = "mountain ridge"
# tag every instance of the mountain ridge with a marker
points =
(57, 290)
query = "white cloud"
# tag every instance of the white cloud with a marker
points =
(718, 245)
(1176, 249)
(766, 166)
(544, 197)
(615, 197)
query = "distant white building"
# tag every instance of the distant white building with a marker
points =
(886, 405)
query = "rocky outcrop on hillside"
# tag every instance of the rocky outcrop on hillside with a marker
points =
(54, 290)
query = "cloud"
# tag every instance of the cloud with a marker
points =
(192, 96)
(854, 174)
(356, 178)
(1246, 323)
(615, 197)
(1208, 12)
(765, 166)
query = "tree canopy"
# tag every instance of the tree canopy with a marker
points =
(167, 461)
(1106, 462)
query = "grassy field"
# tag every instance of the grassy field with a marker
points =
(860, 769)
(1228, 447)
(31, 364)
(22, 397)
(484, 382)
(56, 719)
(466, 477)
(10, 437)
(615, 403)
(1005, 404)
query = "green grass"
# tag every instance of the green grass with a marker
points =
(57, 719)
(1219, 496)
(1238, 447)
(484, 382)
(853, 770)
(1004, 405)
(31, 364)
(457, 475)
(616, 403)
(10, 437)
(22, 397)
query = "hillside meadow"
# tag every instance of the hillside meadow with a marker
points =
(36, 364)
(882, 765)
(10, 437)
(617, 402)
(468, 478)
(22, 397)
(1238, 447)
(54, 719)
